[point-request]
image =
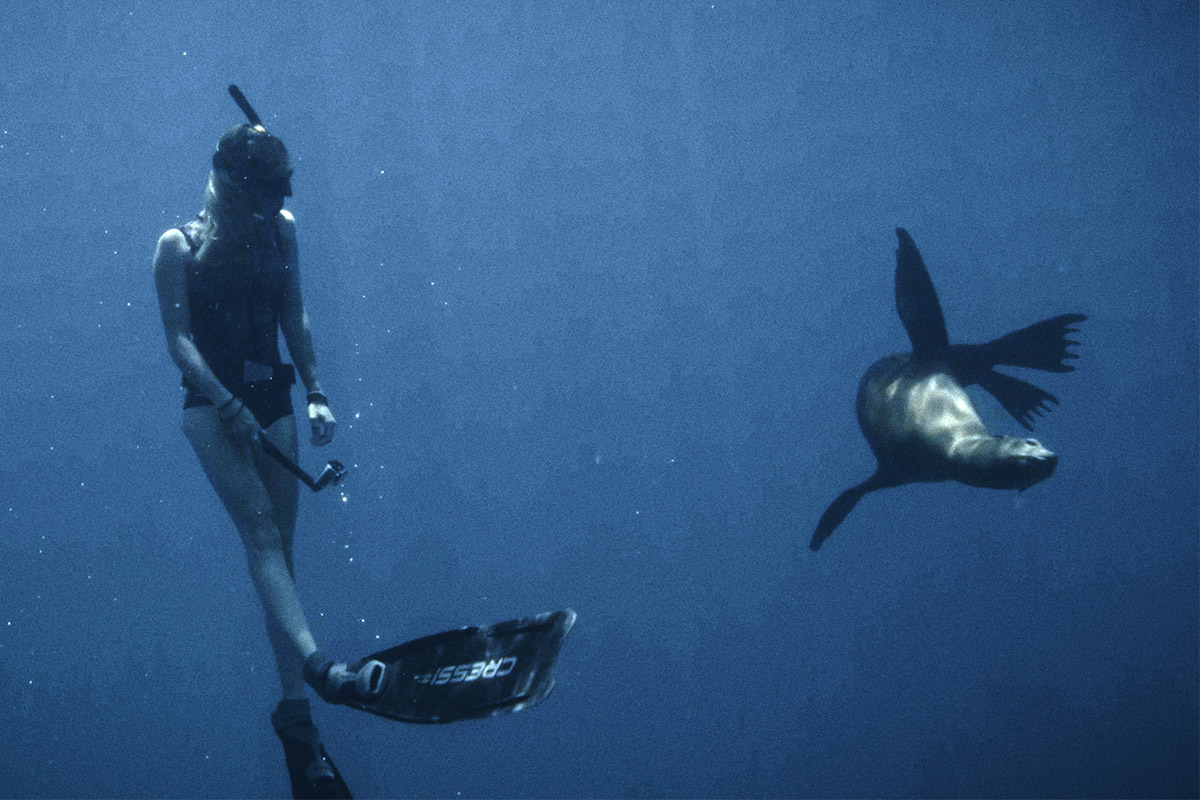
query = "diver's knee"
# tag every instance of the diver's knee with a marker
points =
(260, 534)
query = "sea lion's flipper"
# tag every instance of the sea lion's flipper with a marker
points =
(843, 505)
(1042, 345)
(1023, 400)
(917, 301)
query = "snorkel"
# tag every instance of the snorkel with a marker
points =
(252, 157)
(245, 106)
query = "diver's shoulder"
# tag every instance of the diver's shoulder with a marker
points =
(171, 256)
(286, 224)
(172, 236)
(172, 244)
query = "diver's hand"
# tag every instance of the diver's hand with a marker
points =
(321, 420)
(240, 425)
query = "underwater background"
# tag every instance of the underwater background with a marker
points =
(592, 286)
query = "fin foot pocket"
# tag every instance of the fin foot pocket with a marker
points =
(319, 774)
(337, 683)
(312, 773)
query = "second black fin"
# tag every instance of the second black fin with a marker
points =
(312, 773)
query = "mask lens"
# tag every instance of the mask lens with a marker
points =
(279, 187)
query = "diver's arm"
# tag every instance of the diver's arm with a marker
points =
(293, 320)
(170, 279)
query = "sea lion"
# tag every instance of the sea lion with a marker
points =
(914, 411)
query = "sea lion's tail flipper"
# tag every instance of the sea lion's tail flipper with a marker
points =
(1023, 400)
(1042, 345)
(843, 505)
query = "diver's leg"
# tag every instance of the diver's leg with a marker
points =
(232, 471)
(283, 489)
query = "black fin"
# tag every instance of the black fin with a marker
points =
(469, 672)
(917, 301)
(1023, 400)
(1042, 345)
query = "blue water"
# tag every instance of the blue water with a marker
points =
(592, 286)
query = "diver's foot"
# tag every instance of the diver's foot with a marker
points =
(336, 683)
(311, 770)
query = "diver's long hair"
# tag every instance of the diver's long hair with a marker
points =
(216, 212)
(209, 213)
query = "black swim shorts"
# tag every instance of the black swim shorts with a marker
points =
(269, 400)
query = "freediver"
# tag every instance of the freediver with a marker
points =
(228, 282)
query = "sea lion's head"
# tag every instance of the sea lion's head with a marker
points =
(1002, 462)
(1020, 463)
